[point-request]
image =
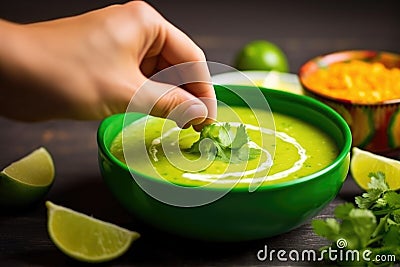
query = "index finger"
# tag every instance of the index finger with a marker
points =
(192, 66)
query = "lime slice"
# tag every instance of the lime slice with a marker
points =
(364, 162)
(27, 180)
(85, 238)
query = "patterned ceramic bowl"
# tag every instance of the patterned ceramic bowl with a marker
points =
(375, 124)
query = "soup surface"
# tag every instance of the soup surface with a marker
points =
(158, 148)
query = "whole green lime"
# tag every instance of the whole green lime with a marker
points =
(261, 55)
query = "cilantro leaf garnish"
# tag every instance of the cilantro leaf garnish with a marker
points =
(241, 137)
(374, 224)
(221, 142)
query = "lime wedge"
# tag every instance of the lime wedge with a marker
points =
(364, 162)
(27, 180)
(85, 238)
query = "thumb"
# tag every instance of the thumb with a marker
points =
(169, 101)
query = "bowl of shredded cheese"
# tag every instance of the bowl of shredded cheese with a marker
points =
(364, 87)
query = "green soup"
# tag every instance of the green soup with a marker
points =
(158, 148)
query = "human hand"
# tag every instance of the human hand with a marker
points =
(89, 67)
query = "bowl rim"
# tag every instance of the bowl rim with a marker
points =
(318, 106)
(361, 54)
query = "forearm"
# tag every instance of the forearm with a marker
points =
(7, 68)
(9, 44)
(12, 62)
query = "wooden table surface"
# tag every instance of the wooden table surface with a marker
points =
(303, 29)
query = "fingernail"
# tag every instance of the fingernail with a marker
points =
(193, 115)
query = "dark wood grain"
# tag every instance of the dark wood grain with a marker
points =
(303, 29)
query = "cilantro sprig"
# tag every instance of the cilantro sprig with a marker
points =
(374, 224)
(221, 142)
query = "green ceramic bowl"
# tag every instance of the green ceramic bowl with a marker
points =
(239, 215)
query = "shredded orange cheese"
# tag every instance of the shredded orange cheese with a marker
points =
(358, 81)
